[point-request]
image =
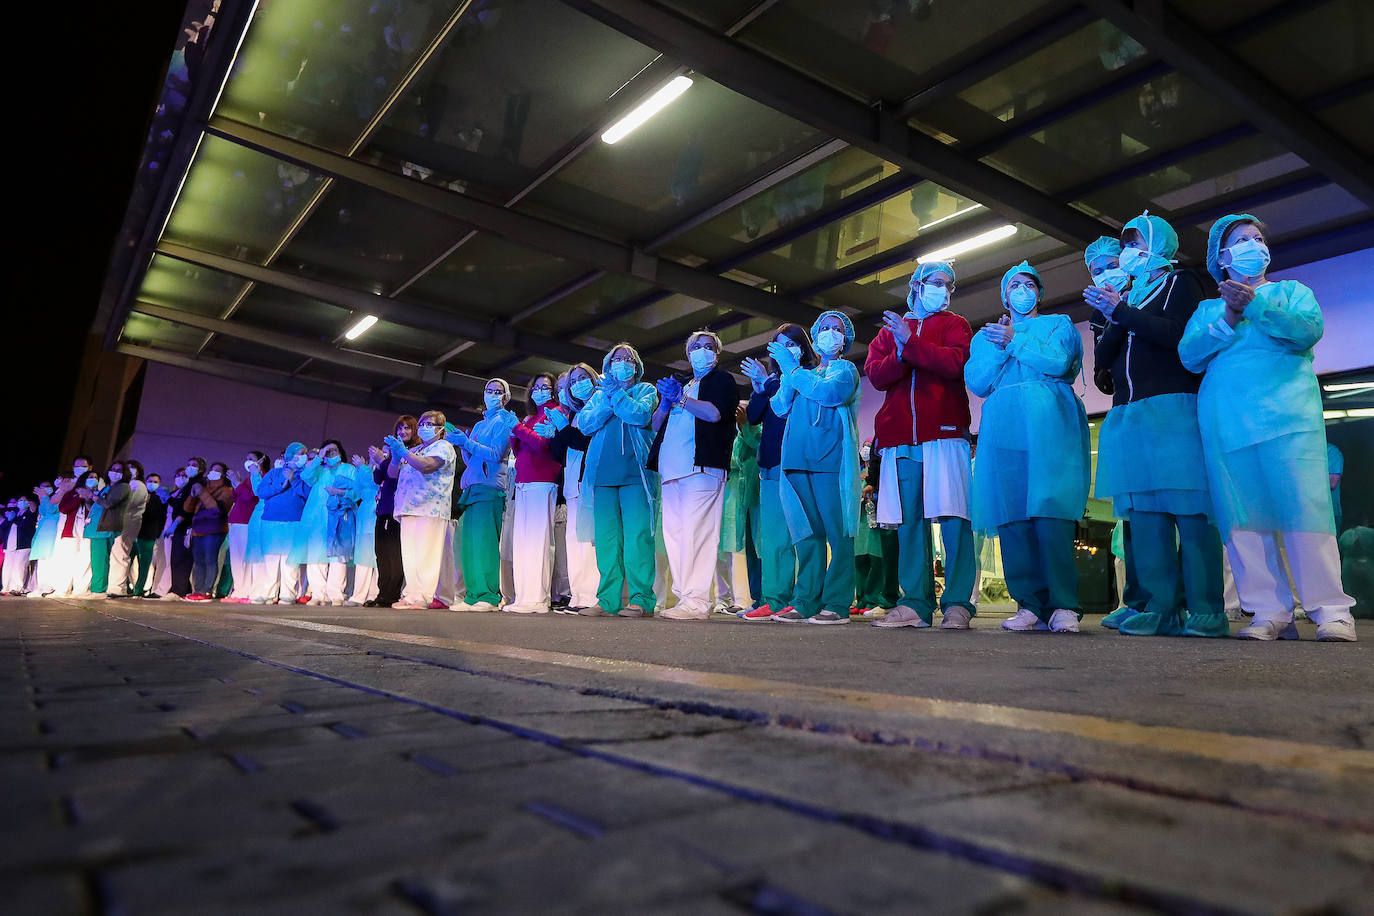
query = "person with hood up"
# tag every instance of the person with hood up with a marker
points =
(618, 491)
(482, 506)
(328, 475)
(283, 493)
(1264, 438)
(921, 432)
(1030, 482)
(820, 463)
(1149, 461)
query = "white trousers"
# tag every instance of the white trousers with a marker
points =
(692, 509)
(560, 588)
(1230, 598)
(239, 567)
(531, 545)
(121, 564)
(583, 577)
(422, 556)
(70, 566)
(449, 564)
(507, 557)
(725, 579)
(364, 584)
(1263, 586)
(327, 582)
(16, 570)
(162, 566)
(277, 580)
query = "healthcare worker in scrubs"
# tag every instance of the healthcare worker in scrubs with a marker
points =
(482, 507)
(327, 474)
(1263, 436)
(619, 493)
(922, 435)
(820, 464)
(1149, 459)
(1030, 482)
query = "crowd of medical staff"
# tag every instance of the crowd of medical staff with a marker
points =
(614, 496)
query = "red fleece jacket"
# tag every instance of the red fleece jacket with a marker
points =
(923, 386)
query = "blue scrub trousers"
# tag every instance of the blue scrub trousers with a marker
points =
(916, 551)
(821, 586)
(1178, 561)
(1037, 559)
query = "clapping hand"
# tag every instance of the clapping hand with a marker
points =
(788, 362)
(1237, 295)
(234, 477)
(396, 445)
(755, 372)
(359, 461)
(669, 389)
(557, 418)
(896, 324)
(544, 430)
(376, 455)
(1000, 333)
(1103, 298)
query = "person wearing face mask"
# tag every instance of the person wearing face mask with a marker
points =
(739, 527)
(560, 588)
(330, 479)
(820, 464)
(569, 448)
(694, 434)
(44, 538)
(777, 555)
(178, 529)
(536, 491)
(922, 433)
(1150, 451)
(149, 530)
(1030, 482)
(424, 503)
(619, 492)
(123, 502)
(99, 541)
(245, 517)
(209, 502)
(284, 495)
(482, 505)
(387, 530)
(21, 521)
(1263, 436)
(71, 559)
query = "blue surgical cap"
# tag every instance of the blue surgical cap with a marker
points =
(294, 449)
(1022, 268)
(844, 322)
(1215, 237)
(1161, 241)
(931, 267)
(1104, 247)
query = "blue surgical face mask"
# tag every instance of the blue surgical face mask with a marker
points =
(1114, 277)
(622, 370)
(1135, 261)
(582, 389)
(829, 341)
(565, 398)
(933, 299)
(332, 461)
(427, 433)
(702, 359)
(1249, 258)
(1022, 299)
(540, 396)
(492, 401)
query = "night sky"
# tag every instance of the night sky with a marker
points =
(85, 109)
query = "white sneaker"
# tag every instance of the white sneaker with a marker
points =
(351, 603)
(680, 613)
(901, 616)
(316, 602)
(1064, 621)
(1023, 621)
(1269, 630)
(525, 609)
(484, 607)
(956, 618)
(1337, 631)
(403, 606)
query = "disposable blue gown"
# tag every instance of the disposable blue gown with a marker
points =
(1260, 411)
(1033, 435)
(822, 410)
(45, 535)
(313, 532)
(365, 490)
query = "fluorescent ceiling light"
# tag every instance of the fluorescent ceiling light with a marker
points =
(944, 219)
(1348, 386)
(978, 241)
(1360, 412)
(647, 109)
(1333, 414)
(363, 324)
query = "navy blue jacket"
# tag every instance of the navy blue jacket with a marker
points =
(760, 411)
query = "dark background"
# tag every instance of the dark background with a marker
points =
(83, 117)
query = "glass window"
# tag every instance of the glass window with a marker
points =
(706, 143)
(1318, 50)
(177, 284)
(718, 14)
(497, 102)
(1353, 120)
(239, 202)
(146, 331)
(659, 325)
(251, 354)
(493, 277)
(275, 309)
(577, 309)
(1217, 15)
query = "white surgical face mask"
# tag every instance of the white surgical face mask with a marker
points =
(1022, 300)
(213, 475)
(933, 299)
(192, 471)
(115, 476)
(865, 452)
(493, 401)
(1249, 258)
(179, 481)
(830, 341)
(250, 466)
(1135, 261)
(1114, 277)
(702, 358)
(540, 396)
(78, 470)
(427, 433)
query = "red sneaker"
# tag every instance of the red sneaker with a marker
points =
(303, 599)
(762, 612)
(437, 605)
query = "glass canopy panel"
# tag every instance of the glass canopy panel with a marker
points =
(663, 327)
(878, 50)
(497, 101)
(576, 310)
(177, 284)
(818, 187)
(368, 240)
(1163, 113)
(1321, 49)
(320, 72)
(239, 202)
(1216, 15)
(144, 330)
(251, 354)
(397, 341)
(1353, 120)
(493, 278)
(894, 222)
(698, 149)
(274, 309)
(718, 14)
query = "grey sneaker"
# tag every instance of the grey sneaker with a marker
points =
(828, 617)
(595, 610)
(632, 610)
(956, 618)
(901, 616)
(789, 617)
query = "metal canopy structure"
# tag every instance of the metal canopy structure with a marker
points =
(440, 166)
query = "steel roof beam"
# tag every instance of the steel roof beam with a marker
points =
(1244, 90)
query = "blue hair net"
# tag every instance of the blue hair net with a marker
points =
(294, 449)
(1214, 239)
(1104, 247)
(930, 267)
(1022, 268)
(844, 322)
(1161, 241)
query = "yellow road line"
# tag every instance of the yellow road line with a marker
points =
(1232, 748)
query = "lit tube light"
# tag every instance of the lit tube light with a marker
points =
(1349, 386)
(646, 109)
(1360, 412)
(978, 241)
(1333, 414)
(361, 327)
